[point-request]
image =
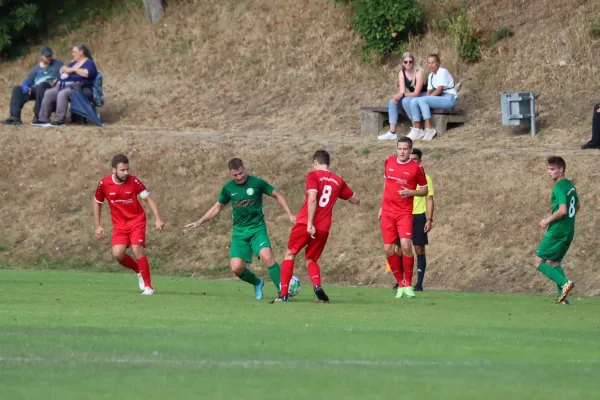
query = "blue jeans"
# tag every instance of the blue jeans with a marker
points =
(393, 108)
(407, 102)
(423, 105)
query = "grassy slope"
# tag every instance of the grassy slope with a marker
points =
(67, 335)
(285, 81)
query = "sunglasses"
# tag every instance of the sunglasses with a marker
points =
(408, 62)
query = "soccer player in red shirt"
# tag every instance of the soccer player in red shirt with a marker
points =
(402, 175)
(129, 220)
(311, 230)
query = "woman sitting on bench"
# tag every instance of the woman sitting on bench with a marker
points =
(440, 94)
(411, 82)
(81, 72)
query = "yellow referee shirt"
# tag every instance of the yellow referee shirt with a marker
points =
(420, 204)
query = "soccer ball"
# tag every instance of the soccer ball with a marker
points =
(294, 287)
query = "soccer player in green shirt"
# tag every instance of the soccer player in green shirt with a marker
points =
(249, 234)
(561, 228)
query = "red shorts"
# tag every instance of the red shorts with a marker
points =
(299, 239)
(132, 234)
(394, 226)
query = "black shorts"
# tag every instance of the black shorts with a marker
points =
(419, 236)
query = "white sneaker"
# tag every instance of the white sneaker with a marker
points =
(388, 136)
(415, 133)
(141, 281)
(148, 291)
(429, 134)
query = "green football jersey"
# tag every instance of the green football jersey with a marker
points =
(564, 193)
(247, 202)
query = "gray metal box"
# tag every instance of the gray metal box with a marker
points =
(519, 109)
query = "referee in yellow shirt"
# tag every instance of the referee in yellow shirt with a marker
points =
(422, 220)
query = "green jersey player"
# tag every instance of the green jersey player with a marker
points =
(249, 235)
(561, 228)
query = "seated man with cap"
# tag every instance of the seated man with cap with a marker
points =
(34, 86)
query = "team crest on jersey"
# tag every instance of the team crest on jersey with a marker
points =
(249, 191)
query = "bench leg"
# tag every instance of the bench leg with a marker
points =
(440, 123)
(371, 123)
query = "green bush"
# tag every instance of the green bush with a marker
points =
(384, 24)
(500, 34)
(15, 18)
(466, 38)
(595, 28)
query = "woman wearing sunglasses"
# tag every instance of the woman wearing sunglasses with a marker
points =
(411, 85)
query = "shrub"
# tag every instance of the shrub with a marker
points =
(500, 34)
(466, 37)
(384, 24)
(595, 28)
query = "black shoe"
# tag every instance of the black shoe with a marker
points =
(395, 287)
(280, 299)
(57, 123)
(590, 145)
(565, 302)
(320, 294)
(11, 121)
(418, 288)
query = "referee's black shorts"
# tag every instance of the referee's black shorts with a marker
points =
(419, 234)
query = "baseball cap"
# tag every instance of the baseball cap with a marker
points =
(46, 51)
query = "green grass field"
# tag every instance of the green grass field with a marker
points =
(69, 335)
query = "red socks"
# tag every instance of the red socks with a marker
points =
(130, 263)
(144, 268)
(314, 273)
(396, 267)
(287, 270)
(408, 264)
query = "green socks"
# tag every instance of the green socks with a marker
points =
(553, 274)
(562, 273)
(248, 276)
(275, 274)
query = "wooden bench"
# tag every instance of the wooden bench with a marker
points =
(373, 118)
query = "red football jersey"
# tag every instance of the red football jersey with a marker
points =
(329, 188)
(398, 175)
(122, 198)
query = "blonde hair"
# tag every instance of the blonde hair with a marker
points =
(416, 67)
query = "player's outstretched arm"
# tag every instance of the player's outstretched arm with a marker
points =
(99, 233)
(279, 198)
(210, 214)
(157, 219)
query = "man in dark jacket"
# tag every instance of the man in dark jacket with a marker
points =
(595, 142)
(37, 82)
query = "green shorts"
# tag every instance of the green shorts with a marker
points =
(244, 244)
(553, 249)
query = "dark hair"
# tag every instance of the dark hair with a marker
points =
(405, 139)
(235, 163)
(418, 152)
(322, 157)
(86, 51)
(437, 57)
(558, 161)
(119, 159)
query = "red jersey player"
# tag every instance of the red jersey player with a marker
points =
(311, 230)
(128, 217)
(402, 175)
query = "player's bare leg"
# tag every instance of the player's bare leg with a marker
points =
(120, 255)
(240, 269)
(144, 267)
(266, 255)
(408, 263)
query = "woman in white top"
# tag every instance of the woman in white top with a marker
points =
(440, 94)
(411, 85)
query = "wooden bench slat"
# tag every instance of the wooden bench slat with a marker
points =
(448, 111)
